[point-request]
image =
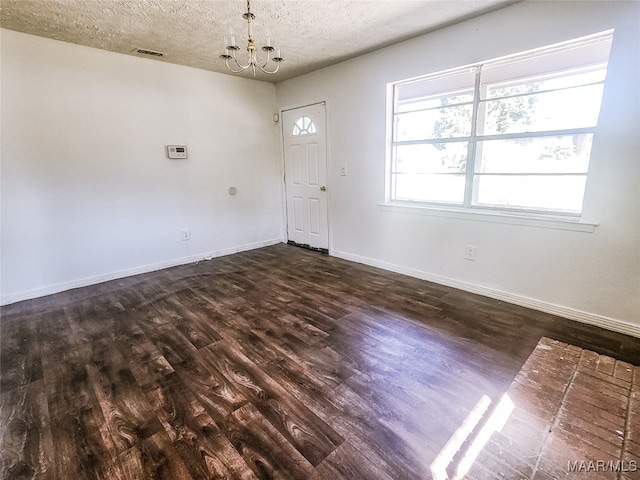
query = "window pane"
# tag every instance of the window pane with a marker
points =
(445, 122)
(431, 158)
(549, 82)
(458, 83)
(571, 108)
(435, 102)
(559, 193)
(424, 187)
(303, 126)
(573, 56)
(561, 154)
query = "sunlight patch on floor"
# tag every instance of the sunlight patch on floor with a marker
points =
(494, 423)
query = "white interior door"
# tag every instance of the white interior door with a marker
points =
(305, 160)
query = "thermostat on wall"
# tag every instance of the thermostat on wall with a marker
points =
(177, 151)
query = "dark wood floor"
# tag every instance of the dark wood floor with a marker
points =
(274, 363)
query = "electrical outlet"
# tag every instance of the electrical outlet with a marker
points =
(343, 170)
(186, 235)
(470, 252)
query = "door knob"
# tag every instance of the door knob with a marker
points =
(323, 188)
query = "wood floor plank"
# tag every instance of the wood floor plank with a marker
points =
(236, 328)
(153, 459)
(25, 434)
(216, 392)
(206, 451)
(127, 413)
(348, 463)
(191, 322)
(20, 360)
(264, 448)
(356, 420)
(175, 348)
(350, 415)
(313, 437)
(145, 360)
(83, 446)
(65, 376)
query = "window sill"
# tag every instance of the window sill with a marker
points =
(529, 220)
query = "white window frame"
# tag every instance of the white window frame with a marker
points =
(501, 214)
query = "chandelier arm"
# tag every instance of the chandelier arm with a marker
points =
(241, 66)
(271, 71)
(242, 69)
(265, 62)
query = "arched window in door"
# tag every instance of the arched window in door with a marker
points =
(304, 126)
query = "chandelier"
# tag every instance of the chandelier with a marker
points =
(252, 63)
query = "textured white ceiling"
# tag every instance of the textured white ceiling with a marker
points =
(311, 33)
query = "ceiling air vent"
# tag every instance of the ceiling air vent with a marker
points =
(144, 51)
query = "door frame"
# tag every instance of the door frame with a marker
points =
(283, 168)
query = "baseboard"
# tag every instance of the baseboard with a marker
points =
(84, 282)
(608, 323)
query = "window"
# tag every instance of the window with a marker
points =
(304, 126)
(510, 134)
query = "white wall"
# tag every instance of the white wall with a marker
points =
(593, 277)
(87, 191)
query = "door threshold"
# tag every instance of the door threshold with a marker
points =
(308, 247)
